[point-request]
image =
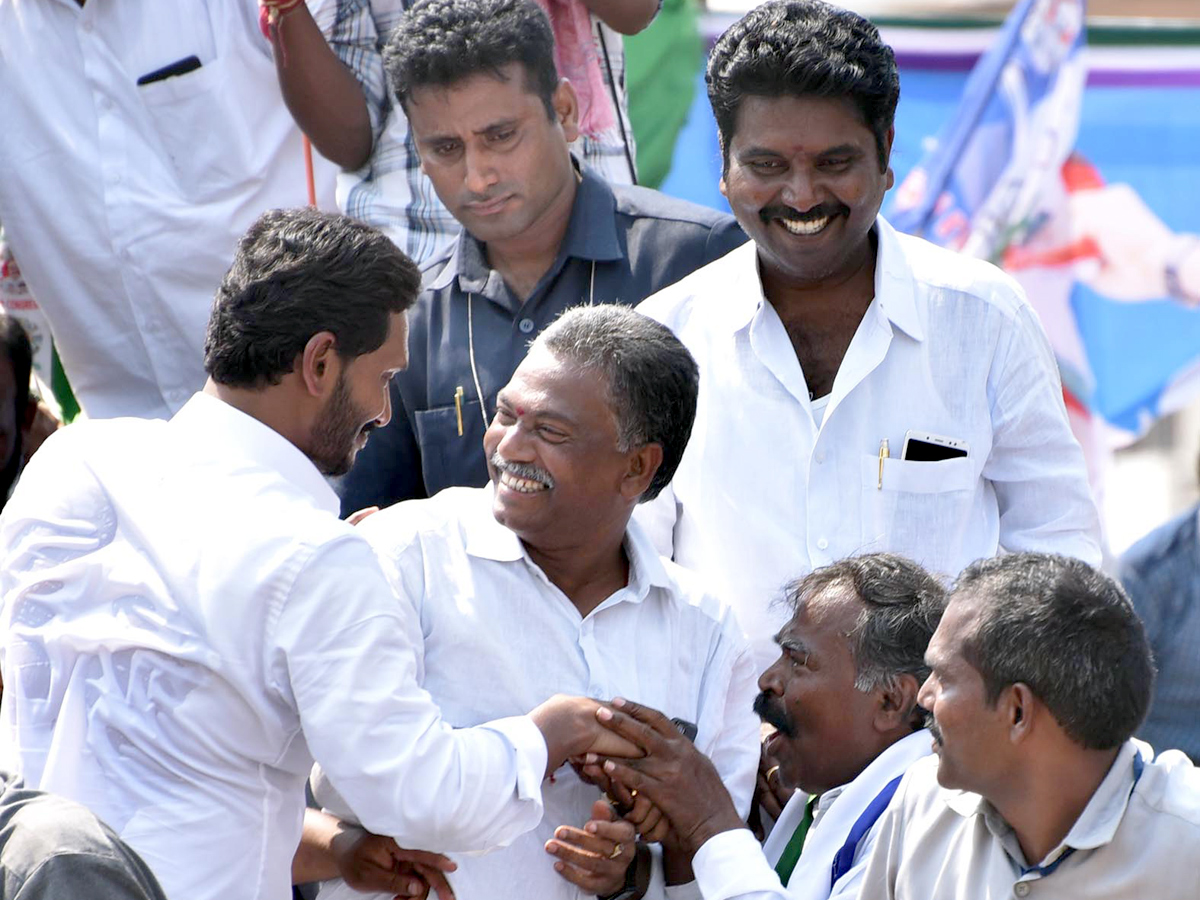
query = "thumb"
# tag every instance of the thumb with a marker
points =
(602, 811)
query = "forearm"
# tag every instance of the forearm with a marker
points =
(323, 96)
(314, 859)
(624, 16)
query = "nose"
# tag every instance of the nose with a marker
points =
(800, 190)
(514, 444)
(386, 415)
(480, 171)
(771, 681)
(927, 694)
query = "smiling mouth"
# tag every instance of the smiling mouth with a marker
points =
(805, 226)
(522, 485)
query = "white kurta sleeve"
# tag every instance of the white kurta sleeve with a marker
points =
(1036, 466)
(347, 654)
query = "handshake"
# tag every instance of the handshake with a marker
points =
(657, 787)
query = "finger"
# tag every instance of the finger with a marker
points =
(425, 858)
(404, 884)
(355, 517)
(602, 811)
(588, 880)
(622, 797)
(437, 880)
(640, 809)
(648, 716)
(657, 832)
(614, 859)
(612, 831)
(628, 777)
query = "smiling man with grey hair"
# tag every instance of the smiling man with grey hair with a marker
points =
(540, 584)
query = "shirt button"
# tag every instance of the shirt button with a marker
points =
(526, 326)
(1022, 888)
(819, 458)
(822, 544)
(87, 26)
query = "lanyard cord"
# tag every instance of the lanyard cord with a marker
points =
(471, 341)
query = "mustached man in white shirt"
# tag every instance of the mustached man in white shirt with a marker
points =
(843, 698)
(829, 339)
(187, 624)
(540, 583)
(1041, 673)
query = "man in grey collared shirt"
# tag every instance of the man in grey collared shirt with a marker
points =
(492, 121)
(1041, 672)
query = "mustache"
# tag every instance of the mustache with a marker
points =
(934, 731)
(820, 211)
(771, 710)
(522, 470)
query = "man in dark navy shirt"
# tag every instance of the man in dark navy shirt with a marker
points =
(492, 120)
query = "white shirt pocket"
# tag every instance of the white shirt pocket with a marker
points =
(921, 510)
(202, 126)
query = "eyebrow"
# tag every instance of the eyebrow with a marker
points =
(498, 126)
(540, 412)
(792, 643)
(839, 150)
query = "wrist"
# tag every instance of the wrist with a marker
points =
(707, 830)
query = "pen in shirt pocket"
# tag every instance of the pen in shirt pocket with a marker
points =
(458, 399)
(884, 453)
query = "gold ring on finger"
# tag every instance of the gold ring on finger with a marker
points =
(633, 794)
(771, 771)
(616, 851)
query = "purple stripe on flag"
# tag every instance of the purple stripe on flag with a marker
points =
(1144, 78)
(964, 62)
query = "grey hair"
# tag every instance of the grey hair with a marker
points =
(651, 378)
(1067, 631)
(902, 607)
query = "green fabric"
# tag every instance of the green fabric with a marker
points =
(59, 386)
(660, 77)
(791, 853)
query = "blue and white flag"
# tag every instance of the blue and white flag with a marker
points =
(1003, 182)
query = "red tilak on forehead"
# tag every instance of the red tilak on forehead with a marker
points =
(520, 410)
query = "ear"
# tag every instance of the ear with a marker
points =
(566, 109)
(897, 700)
(643, 464)
(320, 366)
(1020, 709)
(31, 411)
(722, 188)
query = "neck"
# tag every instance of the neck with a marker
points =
(832, 297)
(265, 405)
(587, 573)
(523, 259)
(1043, 810)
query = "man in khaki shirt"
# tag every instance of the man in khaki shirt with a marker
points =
(1041, 673)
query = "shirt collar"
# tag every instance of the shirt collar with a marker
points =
(488, 539)
(591, 235)
(1095, 826)
(207, 421)
(895, 291)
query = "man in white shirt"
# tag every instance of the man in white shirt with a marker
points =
(187, 624)
(539, 584)
(1041, 673)
(829, 341)
(132, 164)
(843, 698)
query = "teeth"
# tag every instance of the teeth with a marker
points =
(810, 227)
(521, 485)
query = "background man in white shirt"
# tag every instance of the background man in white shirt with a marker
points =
(1041, 672)
(540, 583)
(843, 698)
(829, 340)
(132, 166)
(187, 624)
